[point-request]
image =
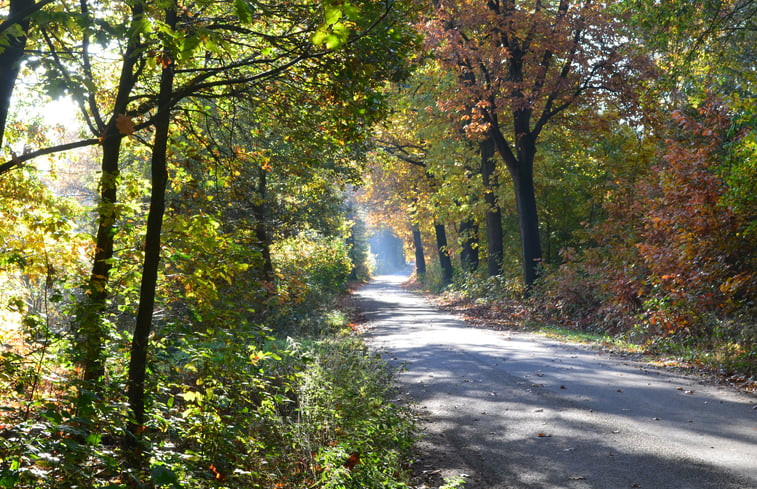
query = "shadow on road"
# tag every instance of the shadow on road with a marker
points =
(515, 410)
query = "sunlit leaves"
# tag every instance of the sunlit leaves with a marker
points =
(337, 23)
(243, 10)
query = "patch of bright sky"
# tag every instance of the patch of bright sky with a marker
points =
(30, 107)
(62, 111)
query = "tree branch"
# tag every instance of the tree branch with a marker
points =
(17, 161)
(7, 23)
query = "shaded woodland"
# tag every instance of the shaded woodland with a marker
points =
(187, 189)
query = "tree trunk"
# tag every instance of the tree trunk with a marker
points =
(493, 218)
(260, 211)
(10, 60)
(90, 327)
(521, 169)
(469, 252)
(528, 220)
(420, 259)
(138, 360)
(444, 259)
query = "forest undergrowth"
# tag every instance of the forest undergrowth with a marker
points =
(298, 403)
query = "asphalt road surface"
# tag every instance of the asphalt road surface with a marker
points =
(515, 410)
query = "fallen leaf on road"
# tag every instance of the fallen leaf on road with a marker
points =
(543, 435)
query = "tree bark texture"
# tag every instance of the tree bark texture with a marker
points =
(151, 264)
(469, 241)
(444, 260)
(260, 211)
(493, 217)
(521, 169)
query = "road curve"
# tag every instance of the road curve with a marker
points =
(515, 410)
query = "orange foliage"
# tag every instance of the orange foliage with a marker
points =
(693, 245)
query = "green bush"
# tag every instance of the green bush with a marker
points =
(311, 270)
(228, 409)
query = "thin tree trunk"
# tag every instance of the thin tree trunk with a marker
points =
(260, 211)
(90, 327)
(444, 260)
(469, 252)
(159, 173)
(493, 218)
(10, 60)
(420, 258)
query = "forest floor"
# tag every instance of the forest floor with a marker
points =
(502, 408)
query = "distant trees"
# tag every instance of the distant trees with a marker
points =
(512, 69)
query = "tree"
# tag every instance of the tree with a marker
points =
(14, 31)
(695, 245)
(225, 62)
(522, 63)
(159, 172)
(343, 100)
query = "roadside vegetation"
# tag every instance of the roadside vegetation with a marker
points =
(297, 403)
(185, 187)
(563, 165)
(175, 189)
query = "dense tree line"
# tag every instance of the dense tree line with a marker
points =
(161, 255)
(606, 150)
(227, 135)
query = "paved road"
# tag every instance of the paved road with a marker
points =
(514, 410)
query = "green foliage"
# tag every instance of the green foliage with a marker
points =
(359, 250)
(453, 483)
(311, 270)
(494, 288)
(670, 265)
(361, 439)
(228, 408)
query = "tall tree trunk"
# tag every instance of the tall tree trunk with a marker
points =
(420, 257)
(139, 345)
(89, 321)
(521, 169)
(444, 260)
(528, 219)
(493, 218)
(10, 59)
(469, 252)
